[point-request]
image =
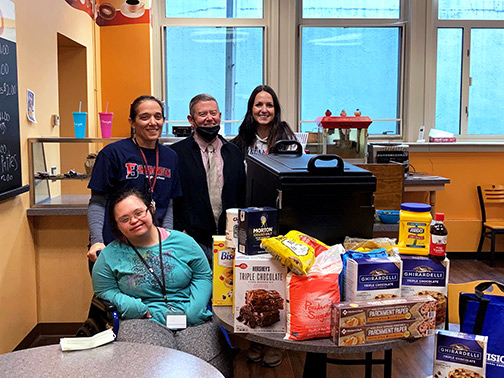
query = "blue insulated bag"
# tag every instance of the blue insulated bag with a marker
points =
(483, 314)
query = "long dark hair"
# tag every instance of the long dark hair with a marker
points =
(247, 132)
(117, 197)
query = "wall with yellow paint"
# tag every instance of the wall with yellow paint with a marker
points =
(459, 200)
(28, 245)
(125, 70)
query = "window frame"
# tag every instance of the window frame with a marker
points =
(159, 22)
(282, 24)
(400, 22)
(433, 24)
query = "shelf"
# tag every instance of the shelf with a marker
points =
(70, 204)
(54, 178)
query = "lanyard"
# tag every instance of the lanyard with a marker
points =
(162, 284)
(152, 183)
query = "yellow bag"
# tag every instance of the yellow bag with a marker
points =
(294, 254)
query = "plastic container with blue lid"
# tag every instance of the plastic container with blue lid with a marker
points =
(415, 207)
(414, 228)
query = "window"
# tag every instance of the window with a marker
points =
(469, 70)
(403, 63)
(215, 47)
(352, 64)
(212, 60)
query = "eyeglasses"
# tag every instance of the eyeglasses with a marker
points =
(137, 214)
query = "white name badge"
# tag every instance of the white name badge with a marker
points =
(176, 320)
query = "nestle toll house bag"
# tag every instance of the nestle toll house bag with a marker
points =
(483, 314)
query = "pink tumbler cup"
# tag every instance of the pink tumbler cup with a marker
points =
(106, 124)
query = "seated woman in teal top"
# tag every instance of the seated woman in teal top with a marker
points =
(149, 273)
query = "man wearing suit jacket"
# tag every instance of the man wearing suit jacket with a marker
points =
(201, 212)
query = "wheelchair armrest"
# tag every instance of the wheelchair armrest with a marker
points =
(103, 304)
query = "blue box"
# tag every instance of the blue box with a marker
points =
(373, 278)
(457, 351)
(254, 224)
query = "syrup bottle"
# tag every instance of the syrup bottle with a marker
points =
(438, 238)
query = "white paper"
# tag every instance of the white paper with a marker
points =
(178, 321)
(80, 343)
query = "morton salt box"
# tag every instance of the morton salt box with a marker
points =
(254, 224)
(259, 294)
(458, 354)
(373, 278)
(222, 272)
(424, 276)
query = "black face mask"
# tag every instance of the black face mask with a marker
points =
(208, 133)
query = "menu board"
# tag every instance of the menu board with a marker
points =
(10, 154)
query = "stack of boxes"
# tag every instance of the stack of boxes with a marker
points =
(258, 280)
(405, 276)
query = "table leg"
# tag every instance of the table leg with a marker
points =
(369, 365)
(315, 365)
(387, 364)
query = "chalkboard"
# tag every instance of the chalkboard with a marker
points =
(10, 154)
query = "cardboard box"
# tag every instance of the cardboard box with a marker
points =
(424, 276)
(379, 332)
(254, 224)
(222, 272)
(259, 294)
(348, 314)
(459, 354)
(373, 278)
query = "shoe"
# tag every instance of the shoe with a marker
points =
(255, 352)
(272, 356)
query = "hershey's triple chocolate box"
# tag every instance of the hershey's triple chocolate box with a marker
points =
(259, 294)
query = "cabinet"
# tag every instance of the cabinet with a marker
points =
(58, 174)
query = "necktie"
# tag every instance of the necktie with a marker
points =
(214, 188)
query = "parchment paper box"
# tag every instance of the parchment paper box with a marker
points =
(424, 276)
(349, 314)
(254, 224)
(458, 354)
(373, 278)
(259, 294)
(222, 272)
(370, 333)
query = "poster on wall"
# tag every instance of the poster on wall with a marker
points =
(10, 153)
(114, 12)
(30, 106)
(87, 6)
(122, 12)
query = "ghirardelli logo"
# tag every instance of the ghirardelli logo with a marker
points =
(459, 347)
(379, 272)
(461, 350)
(422, 269)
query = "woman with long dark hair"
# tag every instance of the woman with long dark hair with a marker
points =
(262, 126)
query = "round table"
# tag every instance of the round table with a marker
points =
(117, 359)
(317, 349)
